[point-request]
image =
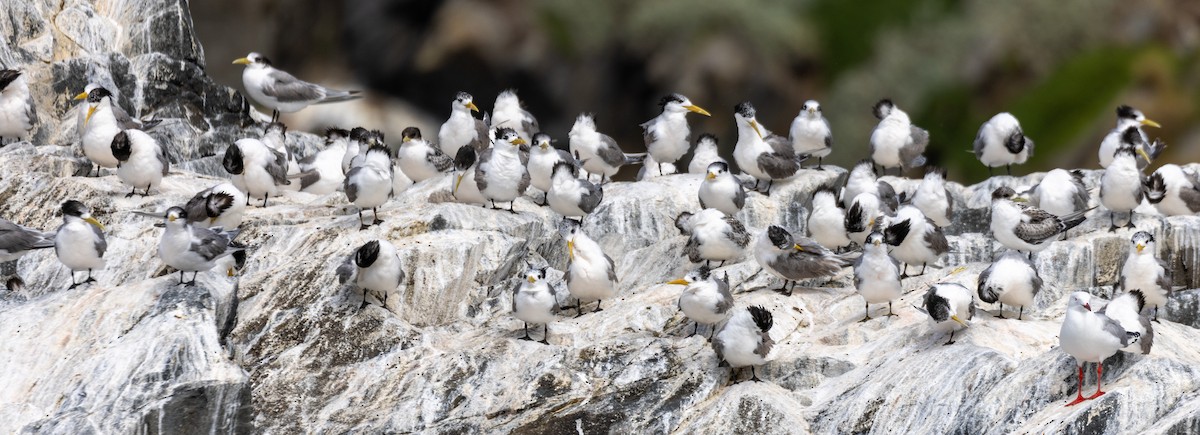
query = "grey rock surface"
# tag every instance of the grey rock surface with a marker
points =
(283, 348)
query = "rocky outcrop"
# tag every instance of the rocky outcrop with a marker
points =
(283, 348)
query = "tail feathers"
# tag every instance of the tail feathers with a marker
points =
(332, 96)
(917, 162)
(149, 123)
(1074, 219)
(635, 158)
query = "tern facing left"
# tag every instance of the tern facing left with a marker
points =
(1012, 280)
(376, 270)
(189, 248)
(282, 92)
(706, 300)
(721, 190)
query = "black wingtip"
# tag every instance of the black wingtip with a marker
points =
(1141, 298)
(761, 317)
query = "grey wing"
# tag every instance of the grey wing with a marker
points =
(1081, 194)
(1114, 329)
(590, 199)
(517, 289)
(739, 196)
(1146, 341)
(949, 204)
(609, 152)
(308, 161)
(439, 160)
(777, 165)
(286, 88)
(800, 265)
(910, 155)
(985, 293)
(101, 245)
(566, 157)
(278, 169)
(692, 250)
(612, 268)
(1029, 146)
(1041, 226)
(936, 239)
(15, 238)
(978, 145)
(528, 122)
(718, 346)
(162, 159)
(764, 345)
(828, 134)
(1191, 198)
(350, 186)
(887, 195)
(780, 145)
(123, 119)
(1164, 276)
(523, 185)
(726, 301)
(858, 280)
(480, 142)
(737, 232)
(647, 134)
(208, 244)
(480, 173)
(345, 271)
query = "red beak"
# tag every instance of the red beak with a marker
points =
(1088, 306)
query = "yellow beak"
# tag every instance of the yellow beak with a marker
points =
(458, 183)
(871, 223)
(798, 247)
(1019, 199)
(956, 319)
(242, 61)
(678, 282)
(212, 220)
(230, 272)
(697, 109)
(91, 110)
(405, 139)
(471, 105)
(545, 145)
(1142, 152)
(957, 270)
(1151, 123)
(93, 221)
(812, 110)
(518, 141)
(171, 218)
(571, 249)
(81, 96)
(531, 279)
(877, 242)
(1140, 247)
(754, 124)
(710, 176)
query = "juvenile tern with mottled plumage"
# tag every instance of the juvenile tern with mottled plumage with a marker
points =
(1026, 228)
(794, 259)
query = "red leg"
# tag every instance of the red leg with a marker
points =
(1079, 394)
(1099, 372)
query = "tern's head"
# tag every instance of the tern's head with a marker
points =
(564, 169)
(744, 114)
(96, 96)
(410, 134)
(1003, 192)
(367, 254)
(701, 273)
(275, 128)
(534, 274)
(676, 103)
(253, 60)
(583, 124)
(780, 238)
(1080, 300)
(121, 147)
(73, 209)
(883, 108)
(1128, 115)
(543, 142)
(707, 140)
(569, 230)
(508, 136)
(935, 174)
(465, 101)
(216, 205)
(875, 238)
(1015, 142)
(1143, 243)
(812, 109)
(715, 170)
(334, 134)
(175, 216)
(507, 100)
(864, 168)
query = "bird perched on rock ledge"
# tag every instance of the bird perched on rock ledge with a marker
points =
(282, 92)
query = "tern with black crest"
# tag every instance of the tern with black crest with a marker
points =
(706, 299)
(79, 243)
(745, 340)
(794, 259)
(667, 136)
(896, 142)
(282, 92)
(376, 270)
(722, 190)
(760, 153)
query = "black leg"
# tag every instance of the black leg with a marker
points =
(722, 263)
(904, 274)
(989, 171)
(1112, 221)
(361, 225)
(923, 266)
(181, 280)
(526, 336)
(1021, 312)
(90, 279)
(1130, 223)
(131, 193)
(598, 308)
(770, 183)
(73, 283)
(1002, 310)
(783, 289)
(890, 313)
(1155, 311)
(756, 181)
(951, 339)
(695, 328)
(545, 333)
(510, 208)
(1008, 168)
(265, 196)
(754, 374)
(147, 191)
(820, 163)
(866, 311)
(660, 172)
(375, 212)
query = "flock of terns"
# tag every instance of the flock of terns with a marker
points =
(863, 224)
